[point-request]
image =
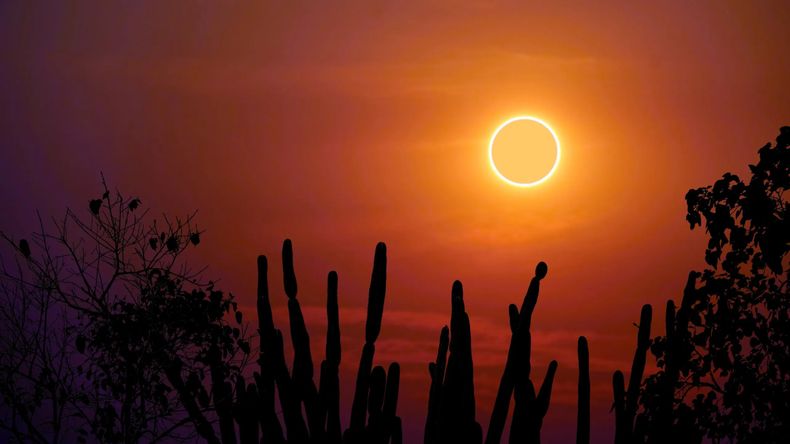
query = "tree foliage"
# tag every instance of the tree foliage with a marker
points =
(724, 362)
(107, 334)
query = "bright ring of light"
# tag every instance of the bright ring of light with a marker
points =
(523, 184)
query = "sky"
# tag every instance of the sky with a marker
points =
(341, 124)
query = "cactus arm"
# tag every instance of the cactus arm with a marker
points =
(265, 319)
(378, 382)
(296, 430)
(622, 434)
(436, 370)
(512, 311)
(457, 403)
(330, 383)
(583, 413)
(333, 321)
(391, 399)
(519, 344)
(302, 379)
(270, 424)
(397, 431)
(531, 298)
(638, 365)
(289, 276)
(244, 411)
(271, 429)
(376, 294)
(544, 395)
(359, 405)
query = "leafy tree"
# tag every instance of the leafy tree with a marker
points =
(724, 362)
(107, 335)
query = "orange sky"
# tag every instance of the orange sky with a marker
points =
(339, 124)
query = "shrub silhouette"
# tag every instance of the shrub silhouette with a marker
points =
(105, 331)
(723, 364)
(139, 339)
(723, 367)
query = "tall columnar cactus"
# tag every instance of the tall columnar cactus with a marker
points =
(376, 293)
(223, 397)
(366, 388)
(391, 421)
(245, 411)
(296, 429)
(330, 381)
(436, 370)
(303, 360)
(271, 430)
(530, 408)
(251, 416)
(378, 384)
(452, 403)
(583, 413)
(274, 370)
(625, 400)
(665, 425)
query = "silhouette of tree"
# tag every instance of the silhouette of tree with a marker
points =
(724, 362)
(107, 334)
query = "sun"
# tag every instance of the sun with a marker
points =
(524, 151)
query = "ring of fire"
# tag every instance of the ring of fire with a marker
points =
(542, 157)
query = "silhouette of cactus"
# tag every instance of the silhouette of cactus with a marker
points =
(370, 386)
(246, 411)
(270, 424)
(274, 370)
(300, 339)
(223, 397)
(436, 371)
(678, 351)
(329, 392)
(530, 408)
(661, 420)
(391, 421)
(451, 402)
(583, 414)
(625, 400)
(252, 409)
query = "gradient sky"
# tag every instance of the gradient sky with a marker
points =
(339, 124)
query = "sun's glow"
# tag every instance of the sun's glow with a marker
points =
(531, 183)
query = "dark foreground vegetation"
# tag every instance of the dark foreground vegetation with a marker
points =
(107, 336)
